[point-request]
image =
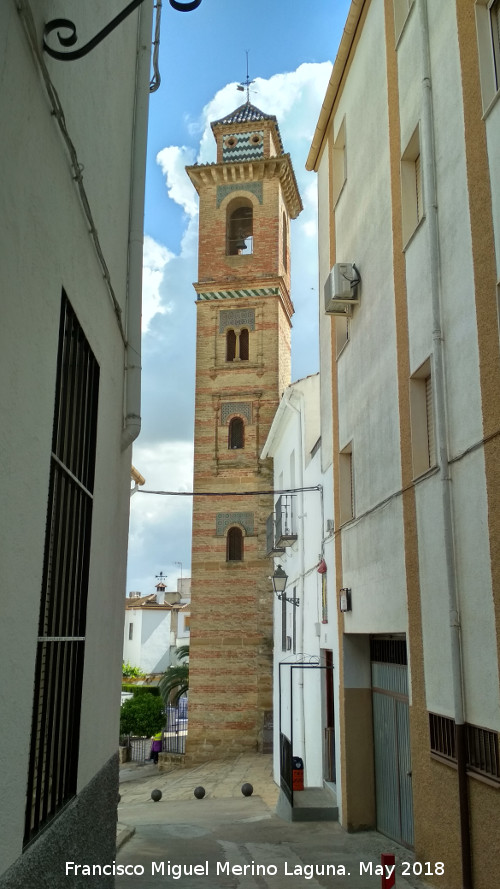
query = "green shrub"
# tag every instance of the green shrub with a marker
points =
(140, 689)
(142, 715)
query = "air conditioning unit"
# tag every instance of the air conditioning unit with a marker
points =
(341, 288)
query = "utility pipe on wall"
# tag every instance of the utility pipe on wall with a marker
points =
(428, 159)
(132, 381)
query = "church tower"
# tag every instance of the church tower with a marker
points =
(244, 311)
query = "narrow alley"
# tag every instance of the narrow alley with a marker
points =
(229, 841)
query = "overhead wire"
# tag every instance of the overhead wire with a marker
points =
(229, 493)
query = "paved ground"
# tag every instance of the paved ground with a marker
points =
(228, 841)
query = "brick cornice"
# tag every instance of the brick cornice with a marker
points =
(203, 175)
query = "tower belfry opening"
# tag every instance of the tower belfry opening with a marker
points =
(244, 309)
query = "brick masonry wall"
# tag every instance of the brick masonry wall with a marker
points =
(231, 606)
(230, 695)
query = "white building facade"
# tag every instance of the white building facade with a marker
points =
(300, 538)
(406, 151)
(71, 196)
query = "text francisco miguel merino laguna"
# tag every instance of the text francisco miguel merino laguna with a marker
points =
(177, 871)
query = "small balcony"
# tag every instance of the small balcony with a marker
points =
(272, 549)
(286, 530)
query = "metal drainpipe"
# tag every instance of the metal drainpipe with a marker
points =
(439, 387)
(132, 382)
(300, 608)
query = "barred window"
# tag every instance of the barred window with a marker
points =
(52, 776)
(482, 745)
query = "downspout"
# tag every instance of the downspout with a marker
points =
(132, 377)
(439, 386)
(300, 461)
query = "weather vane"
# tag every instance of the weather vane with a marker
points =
(246, 83)
(161, 577)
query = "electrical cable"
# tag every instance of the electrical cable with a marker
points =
(155, 81)
(229, 493)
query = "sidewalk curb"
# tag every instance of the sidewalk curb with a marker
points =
(123, 833)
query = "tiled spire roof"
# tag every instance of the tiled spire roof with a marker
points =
(248, 113)
(245, 113)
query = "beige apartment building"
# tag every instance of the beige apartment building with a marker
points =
(406, 150)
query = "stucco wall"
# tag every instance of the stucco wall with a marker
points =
(46, 247)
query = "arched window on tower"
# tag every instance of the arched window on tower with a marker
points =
(240, 228)
(236, 435)
(234, 545)
(244, 344)
(230, 345)
(285, 241)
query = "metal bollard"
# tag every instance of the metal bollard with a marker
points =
(388, 863)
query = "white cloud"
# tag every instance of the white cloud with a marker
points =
(172, 160)
(160, 527)
(155, 258)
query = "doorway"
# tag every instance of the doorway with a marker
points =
(391, 735)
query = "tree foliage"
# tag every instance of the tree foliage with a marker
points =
(175, 681)
(142, 715)
(130, 672)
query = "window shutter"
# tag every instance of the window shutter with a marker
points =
(418, 187)
(431, 444)
(495, 37)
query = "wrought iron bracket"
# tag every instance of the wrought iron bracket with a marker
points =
(292, 599)
(71, 38)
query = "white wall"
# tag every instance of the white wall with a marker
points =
(294, 433)
(46, 247)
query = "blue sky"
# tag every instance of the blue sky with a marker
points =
(291, 47)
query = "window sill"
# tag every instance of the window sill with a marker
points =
(403, 28)
(427, 473)
(342, 349)
(413, 234)
(451, 763)
(336, 199)
(490, 106)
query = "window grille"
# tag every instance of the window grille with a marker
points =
(482, 745)
(52, 776)
(482, 751)
(272, 547)
(442, 735)
(286, 533)
(388, 651)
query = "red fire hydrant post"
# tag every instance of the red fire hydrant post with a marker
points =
(388, 863)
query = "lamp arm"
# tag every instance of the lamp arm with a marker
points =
(72, 38)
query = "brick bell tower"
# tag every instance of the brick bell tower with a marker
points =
(244, 310)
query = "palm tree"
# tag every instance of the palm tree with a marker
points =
(175, 681)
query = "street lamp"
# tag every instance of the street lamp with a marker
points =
(279, 580)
